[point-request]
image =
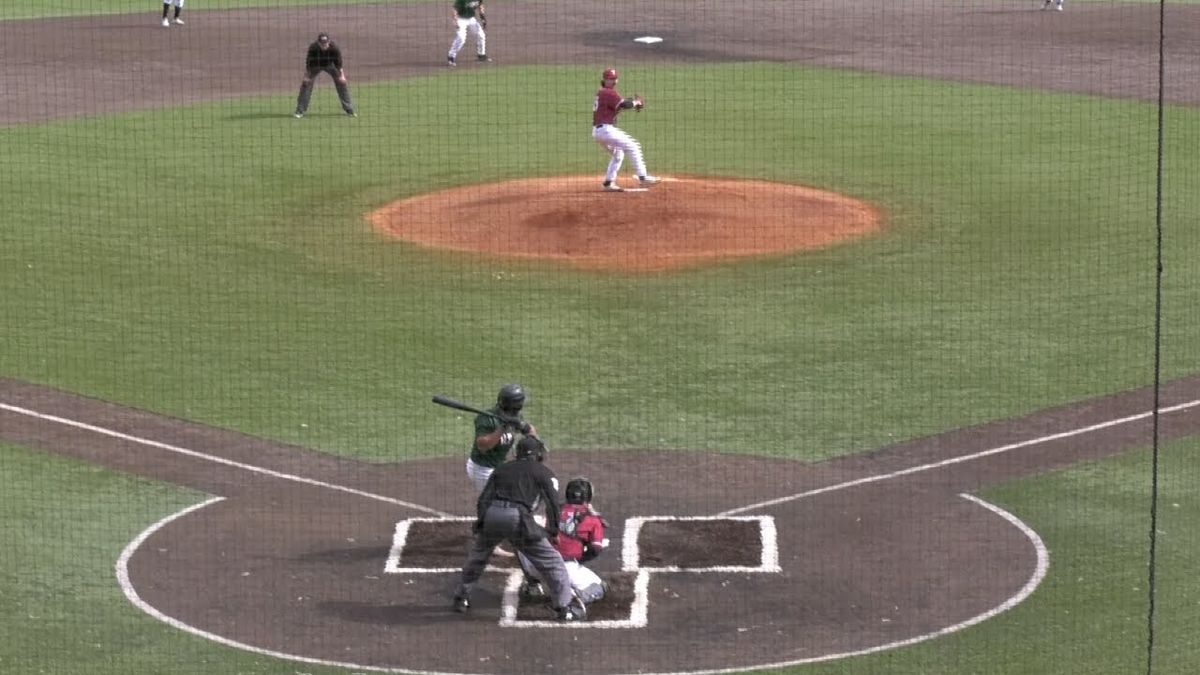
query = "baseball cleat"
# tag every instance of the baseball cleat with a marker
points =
(612, 187)
(483, 58)
(451, 61)
(178, 21)
(461, 605)
(351, 113)
(298, 115)
(166, 23)
(649, 180)
(572, 612)
(532, 591)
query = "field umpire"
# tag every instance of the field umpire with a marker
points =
(505, 512)
(324, 56)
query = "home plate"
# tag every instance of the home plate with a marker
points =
(648, 40)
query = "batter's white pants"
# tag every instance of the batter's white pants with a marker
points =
(478, 475)
(460, 37)
(617, 143)
(177, 3)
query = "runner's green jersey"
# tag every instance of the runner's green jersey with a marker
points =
(466, 8)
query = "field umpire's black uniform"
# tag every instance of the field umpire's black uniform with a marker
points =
(324, 56)
(505, 512)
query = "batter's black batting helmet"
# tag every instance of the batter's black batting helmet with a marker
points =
(531, 448)
(579, 491)
(511, 398)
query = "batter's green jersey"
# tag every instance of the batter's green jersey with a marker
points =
(466, 8)
(484, 425)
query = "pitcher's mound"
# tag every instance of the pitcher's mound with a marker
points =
(681, 222)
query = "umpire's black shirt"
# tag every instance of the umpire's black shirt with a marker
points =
(319, 58)
(525, 483)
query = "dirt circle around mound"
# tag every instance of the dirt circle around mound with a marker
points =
(682, 222)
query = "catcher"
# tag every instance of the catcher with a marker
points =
(580, 539)
(607, 106)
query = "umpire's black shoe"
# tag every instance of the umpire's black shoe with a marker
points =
(461, 604)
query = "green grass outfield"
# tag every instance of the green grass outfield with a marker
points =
(212, 263)
(65, 614)
(32, 9)
(29, 9)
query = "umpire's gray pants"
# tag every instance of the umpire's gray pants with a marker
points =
(501, 523)
(306, 87)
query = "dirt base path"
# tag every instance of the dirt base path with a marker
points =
(64, 68)
(294, 559)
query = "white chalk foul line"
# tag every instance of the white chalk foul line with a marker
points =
(958, 460)
(217, 460)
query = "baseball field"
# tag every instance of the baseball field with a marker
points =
(882, 378)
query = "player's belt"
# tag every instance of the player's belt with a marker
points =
(505, 504)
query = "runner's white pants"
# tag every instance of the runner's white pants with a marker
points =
(460, 37)
(617, 143)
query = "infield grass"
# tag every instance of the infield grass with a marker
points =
(213, 263)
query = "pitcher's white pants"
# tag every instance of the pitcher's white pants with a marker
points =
(460, 37)
(617, 143)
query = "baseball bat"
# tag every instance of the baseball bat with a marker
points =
(459, 405)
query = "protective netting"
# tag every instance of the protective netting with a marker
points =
(870, 325)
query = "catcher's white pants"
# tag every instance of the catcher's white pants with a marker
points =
(617, 143)
(460, 37)
(478, 475)
(584, 582)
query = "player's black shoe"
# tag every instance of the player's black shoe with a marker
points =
(571, 613)
(461, 605)
(532, 591)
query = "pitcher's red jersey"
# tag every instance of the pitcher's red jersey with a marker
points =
(607, 105)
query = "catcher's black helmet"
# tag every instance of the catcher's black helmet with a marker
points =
(579, 491)
(530, 447)
(511, 398)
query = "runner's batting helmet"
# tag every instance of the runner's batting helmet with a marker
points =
(579, 491)
(511, 398)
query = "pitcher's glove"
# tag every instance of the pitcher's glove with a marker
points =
(638, 103)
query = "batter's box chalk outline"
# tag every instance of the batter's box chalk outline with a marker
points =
(769, 561)
(638, 609)
(400, 539)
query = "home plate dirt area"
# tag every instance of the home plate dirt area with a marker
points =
(717, 561)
